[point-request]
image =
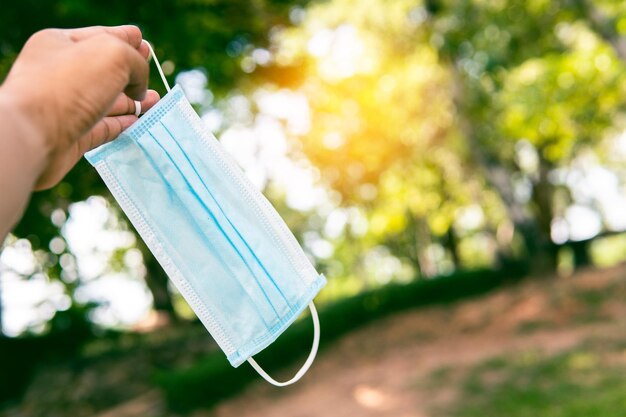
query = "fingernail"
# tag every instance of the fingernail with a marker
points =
(148, 45)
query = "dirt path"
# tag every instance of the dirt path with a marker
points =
(383, 369)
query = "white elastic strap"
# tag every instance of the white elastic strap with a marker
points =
(137, 108)
(307, 363)
(158, 65)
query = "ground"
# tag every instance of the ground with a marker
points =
(551, 346)
(393, 367)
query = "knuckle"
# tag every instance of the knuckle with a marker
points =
(111, 50)
(106, 134)
(44, 34)
(119, 127)
(132, 33)
(87, 145)
(119, 53)
(111, 45)
(130, 105)
(134, 30)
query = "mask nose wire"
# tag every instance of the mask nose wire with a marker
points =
(158, 66)
(307, 363)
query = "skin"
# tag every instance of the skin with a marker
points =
(69, 91)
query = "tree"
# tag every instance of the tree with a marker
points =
(528, 87)
(403, 93)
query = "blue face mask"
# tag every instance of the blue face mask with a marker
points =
(220, 241)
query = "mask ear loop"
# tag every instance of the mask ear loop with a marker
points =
(307, 363)
(158, 65)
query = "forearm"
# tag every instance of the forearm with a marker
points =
(22, 159)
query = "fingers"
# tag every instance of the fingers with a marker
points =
(128, 33)
(132, 57)
(124, 105)
(120, 117)
(138, 70)
(131, 35)
(144, 50)
(105, 131)
(122, 65)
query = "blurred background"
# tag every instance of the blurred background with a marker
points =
(456, 169)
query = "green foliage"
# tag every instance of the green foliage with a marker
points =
(609, 251)
(429, 108)
(210, 34)
(21, 357)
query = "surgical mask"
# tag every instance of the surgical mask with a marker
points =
(216, 236)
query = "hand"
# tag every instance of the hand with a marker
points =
(75, 88)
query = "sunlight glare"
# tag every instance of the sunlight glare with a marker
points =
(341, 53)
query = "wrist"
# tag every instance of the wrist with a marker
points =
(21, 130)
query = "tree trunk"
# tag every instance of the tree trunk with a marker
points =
(545, 257)
(540, 251)
(423, 237)
(451, 243)
(414, 254)
(582, 257)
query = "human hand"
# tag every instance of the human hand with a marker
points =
(76, 88)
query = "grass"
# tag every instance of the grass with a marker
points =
(528, 327)
(589, 380)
